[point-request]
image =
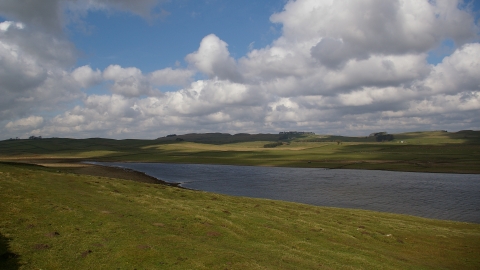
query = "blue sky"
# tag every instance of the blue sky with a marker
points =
(130, 40)
(147, 68)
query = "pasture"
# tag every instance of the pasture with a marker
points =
(418, 151)
(63, 214)
(59, 220)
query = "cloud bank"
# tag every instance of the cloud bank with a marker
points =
(339, 67)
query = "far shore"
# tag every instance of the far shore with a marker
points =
(80, 166)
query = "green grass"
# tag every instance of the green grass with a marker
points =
(417, 151)
(55, 220)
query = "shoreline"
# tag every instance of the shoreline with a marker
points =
(129, 174)
(84, 167)
(338, 167)
(80, 167)
(76, 165)
(58, 218)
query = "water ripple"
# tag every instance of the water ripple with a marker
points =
(431, 195)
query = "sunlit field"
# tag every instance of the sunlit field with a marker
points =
(64, 214)
(419, 151)
(57, 220)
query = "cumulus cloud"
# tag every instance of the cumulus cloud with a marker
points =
(208, 103)
(24, 124)
(169, 76)
(457, 72)
(86, 76)
(32, 73)
(214, 60)
(36, 54)
(36, 57)
(131, 82)
(49, 15)
(339, 67)
(19, 70)
(379, 71)
(342, 30)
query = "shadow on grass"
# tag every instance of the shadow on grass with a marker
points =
(469, 136)
(8, 259)
(220, 138)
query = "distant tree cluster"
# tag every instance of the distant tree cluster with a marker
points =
(296, 133)
(171, 135)
(272, 145)
(384, 137)
(35, 137)
(285, 135)
(377, 134)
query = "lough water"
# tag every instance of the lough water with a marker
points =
(431, 195)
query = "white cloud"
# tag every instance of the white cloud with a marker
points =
(86, 76)
(339, 67)
(338, 31)
(32, 73)
(168, 76)
(7, 24)
(109, 107)
(203, 103)
(379, 71)
(458, 72)
(200, 99)
(213, 59)
(131, 82)
(24, 124)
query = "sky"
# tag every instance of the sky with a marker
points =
(148, 68)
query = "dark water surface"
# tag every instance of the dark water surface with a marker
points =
(431, 195)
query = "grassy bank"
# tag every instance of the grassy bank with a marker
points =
(418, 151)
(57, 220)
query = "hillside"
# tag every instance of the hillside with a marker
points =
(57, 220)
(437, 151)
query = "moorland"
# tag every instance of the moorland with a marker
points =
(436, 151)
(59, 213)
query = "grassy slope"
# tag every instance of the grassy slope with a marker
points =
(54, 220)
(421, 151)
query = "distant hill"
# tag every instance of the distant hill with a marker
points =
(430, 151)
(220, 138)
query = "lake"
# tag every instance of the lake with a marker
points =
(430, 195)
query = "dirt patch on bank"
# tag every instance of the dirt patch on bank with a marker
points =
(114, 172)
(119, 173)
(76, 166)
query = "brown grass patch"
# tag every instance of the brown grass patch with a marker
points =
(53, 234)
(85, 253)
(41, 246)
(213, 234)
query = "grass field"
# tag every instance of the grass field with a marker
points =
(419, 151)
(69, 215)
(57, 220)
